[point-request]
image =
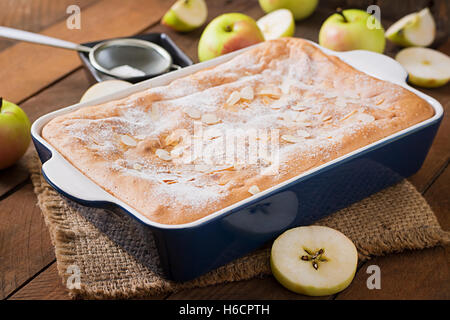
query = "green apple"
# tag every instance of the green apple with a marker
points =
(415, 29)
(14, 133)
(426, 67)
(186, 15)
(227, 33)
(352, 29)
(277, 24)
(301, 9)
(104, 88)
(314, 260)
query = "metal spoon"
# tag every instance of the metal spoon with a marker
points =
(143, 55)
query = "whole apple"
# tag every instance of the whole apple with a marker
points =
(227, 33)
(14, 133)
(350, 30)
(301, 9)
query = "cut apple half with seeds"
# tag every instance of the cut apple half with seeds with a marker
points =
(314, 260)
(186, 15)
(277, 24)
(426, 67)
(415, 29)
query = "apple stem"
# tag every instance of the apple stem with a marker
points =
(339, 11)
(1, 103)
(228, 28)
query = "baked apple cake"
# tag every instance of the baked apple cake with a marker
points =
(299, 105)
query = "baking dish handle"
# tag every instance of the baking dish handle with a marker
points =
(71, 183)
(376, 65)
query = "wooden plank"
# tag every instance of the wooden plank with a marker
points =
(41, 65)
(34, 15)
(25, 245)
(47, 285)
(413, 274)
(254, 289)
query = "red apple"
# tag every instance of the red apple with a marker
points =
(227, 33)
(14, 133)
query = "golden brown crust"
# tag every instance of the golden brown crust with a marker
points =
(329, 108)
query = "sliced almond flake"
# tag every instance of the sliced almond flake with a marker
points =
(303, 133)
(141, 137)
(234, 97)
(193, 113)
(316, 110)
(247, 93)
(155, 114)
(254, 190)
(379, 102)
(224, 180)
(340, 103)
(169, 181)
(163, 154)
(348, 115)
(327, 118)
(271, 93)
(298, 108)
(128, 141)
(172, 139)
(177, 152)
(210, 118)
(266, 100)
(286, 86)
(291, 139)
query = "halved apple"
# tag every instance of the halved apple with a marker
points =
(426, 67)
(104, 88)
(277, 24)
(186, 15)
(314, 260)
(415, 29)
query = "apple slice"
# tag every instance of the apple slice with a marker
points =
(314, 260)
(186, 15)
(426, 67)
(277, 24)
(415, 29)
(104, 88)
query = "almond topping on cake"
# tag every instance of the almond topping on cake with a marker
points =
(298, 108)
(247, 93)
(172, 139)
(137, 166)
(379, 102)
(348, 115)
(340, 103)
(291, 139)
(210, 118)
(273, 93)
(303, 133)
(326, 118)
(224, 180)
(234, 97)
(254, 190)
(163, 154)
(176, 152)
(128, 141)
(193, 113)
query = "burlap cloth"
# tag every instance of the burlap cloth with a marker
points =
(117, 259)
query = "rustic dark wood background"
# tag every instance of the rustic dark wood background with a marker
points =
(43, 79)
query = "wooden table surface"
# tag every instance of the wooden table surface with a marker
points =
(43, 79)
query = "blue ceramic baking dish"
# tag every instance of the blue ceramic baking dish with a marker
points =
(191, 249)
